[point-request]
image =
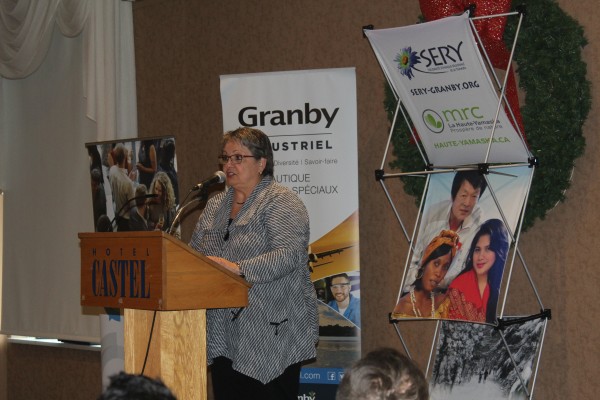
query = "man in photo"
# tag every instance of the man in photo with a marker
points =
(344, 302)
(461, 214)
(122, 187)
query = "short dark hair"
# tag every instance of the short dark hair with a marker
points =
(140, 191)
(342, 275)
(383, 374)
(475, 178)
(96, 175)
(256, 141)
(104, 224)
(119, 153)
(125, 386)
(167, 155)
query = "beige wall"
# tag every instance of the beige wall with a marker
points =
(183, 46)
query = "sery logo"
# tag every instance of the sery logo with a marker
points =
(434, 60)
(407, 59)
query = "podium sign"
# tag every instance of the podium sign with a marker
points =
(122, 272)
(153, 271)
(165, 285)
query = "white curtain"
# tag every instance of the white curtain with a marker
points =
(67, 78)
(26, 28)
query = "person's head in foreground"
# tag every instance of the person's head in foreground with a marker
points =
(125, 386)
(383, 374)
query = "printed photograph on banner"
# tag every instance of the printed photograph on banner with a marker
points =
(473, 362)
(334, 262)
(134, 184)
(457, 262)
(341, 294)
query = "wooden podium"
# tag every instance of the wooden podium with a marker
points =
(154, 276)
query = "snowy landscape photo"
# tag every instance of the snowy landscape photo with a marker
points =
(473, 362)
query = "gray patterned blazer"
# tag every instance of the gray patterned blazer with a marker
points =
(269, 238)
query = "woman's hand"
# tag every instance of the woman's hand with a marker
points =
(233, 267)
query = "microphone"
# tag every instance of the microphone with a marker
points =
(218, 177)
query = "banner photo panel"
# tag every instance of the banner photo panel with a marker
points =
(472, 361)
(463, 239)
(134, 184)
(310, 118)
(437, 71)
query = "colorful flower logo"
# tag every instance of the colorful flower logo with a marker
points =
(406, 60)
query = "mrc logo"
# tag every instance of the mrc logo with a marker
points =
(436, 121)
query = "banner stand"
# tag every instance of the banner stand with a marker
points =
(436, 161)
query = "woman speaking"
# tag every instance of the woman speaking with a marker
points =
(258, 229)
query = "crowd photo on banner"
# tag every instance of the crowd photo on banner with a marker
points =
(134, 184)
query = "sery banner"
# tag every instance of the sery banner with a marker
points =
(437, 72)
(310, 117)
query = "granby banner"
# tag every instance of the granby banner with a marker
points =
(310, 117)
(438, 74)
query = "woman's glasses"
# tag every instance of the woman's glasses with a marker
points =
(234, 158)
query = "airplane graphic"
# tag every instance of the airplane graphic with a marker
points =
(313, 258)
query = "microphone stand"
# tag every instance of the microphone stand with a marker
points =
(202, 197)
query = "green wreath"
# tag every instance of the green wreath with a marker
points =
(553, 76)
